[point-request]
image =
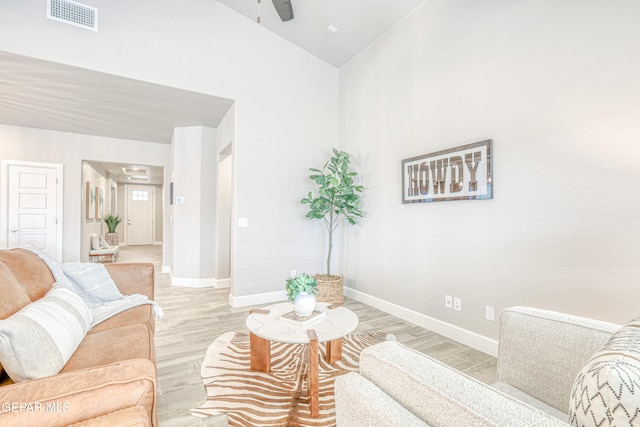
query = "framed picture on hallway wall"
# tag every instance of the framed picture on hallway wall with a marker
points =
(99, 202)
(91, 200)
(460, 173)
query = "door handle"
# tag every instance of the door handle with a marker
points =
(15, 231)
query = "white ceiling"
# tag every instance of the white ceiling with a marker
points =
(46, 95)
(116, 171)
(359, 23)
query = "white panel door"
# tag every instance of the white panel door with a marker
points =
(140, 212)
(32, 210)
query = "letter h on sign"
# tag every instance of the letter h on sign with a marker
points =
(461, 173)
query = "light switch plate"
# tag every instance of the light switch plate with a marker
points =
(243, 222)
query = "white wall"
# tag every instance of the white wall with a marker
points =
(223, 235)
(195, 172)
(159, 213)
(69, 149)
(225, 191)
(98, 177)
(555, 85)
(286, 106)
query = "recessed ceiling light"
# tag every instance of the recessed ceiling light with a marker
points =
(136, 173)
(332, 28)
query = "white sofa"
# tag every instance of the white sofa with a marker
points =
(551, 371)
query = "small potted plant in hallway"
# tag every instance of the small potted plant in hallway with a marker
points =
(301, 291)
(112, 222)
(337, 200)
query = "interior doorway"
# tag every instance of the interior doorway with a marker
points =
(224, 226)
(115, 178)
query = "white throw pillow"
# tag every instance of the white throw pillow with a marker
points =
(95, 241)
(92, 282)
(607, 389)
(38, 340)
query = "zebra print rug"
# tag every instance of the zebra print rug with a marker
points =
(278, 398)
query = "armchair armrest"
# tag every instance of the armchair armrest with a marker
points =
(133, 278)
(540, 352)
(442, 396)
(359, 403)
(76, 396)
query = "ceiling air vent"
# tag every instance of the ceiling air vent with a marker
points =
(73, 13)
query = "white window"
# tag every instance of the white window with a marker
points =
(140, 195)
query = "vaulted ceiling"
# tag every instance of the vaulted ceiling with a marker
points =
(355, 24)
(41, 94)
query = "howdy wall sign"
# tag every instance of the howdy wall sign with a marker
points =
(461, 173)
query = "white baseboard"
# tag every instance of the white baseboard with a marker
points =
(257, 299)
(464, 336)
(209, 282)
(223, 283)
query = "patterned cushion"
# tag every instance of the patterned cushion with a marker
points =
(103, 243)
(39, 339)
(607, 389)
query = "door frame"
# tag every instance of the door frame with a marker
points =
(4, 200)
(126, 210)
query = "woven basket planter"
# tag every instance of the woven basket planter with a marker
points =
(330, 289)
(111, 239)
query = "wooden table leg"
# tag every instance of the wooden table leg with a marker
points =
(334, 351)
(260, 351)
(314, 404)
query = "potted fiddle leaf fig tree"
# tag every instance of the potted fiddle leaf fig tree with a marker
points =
(112, 222)
(336, 200)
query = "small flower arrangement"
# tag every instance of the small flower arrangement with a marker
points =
(301, 283)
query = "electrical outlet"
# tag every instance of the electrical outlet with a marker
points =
(489, 313)
(448, 301)
(457, 304)
(293, 273)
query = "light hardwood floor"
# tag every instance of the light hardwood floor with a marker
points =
(194, 318)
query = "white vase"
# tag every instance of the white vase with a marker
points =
(304, 304)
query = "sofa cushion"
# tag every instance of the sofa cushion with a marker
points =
(133, 416)
(29, 270)
(528, 399)
(113, 345)
(140, 314)
(14, 297)
(39, 339)
(607, 389)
